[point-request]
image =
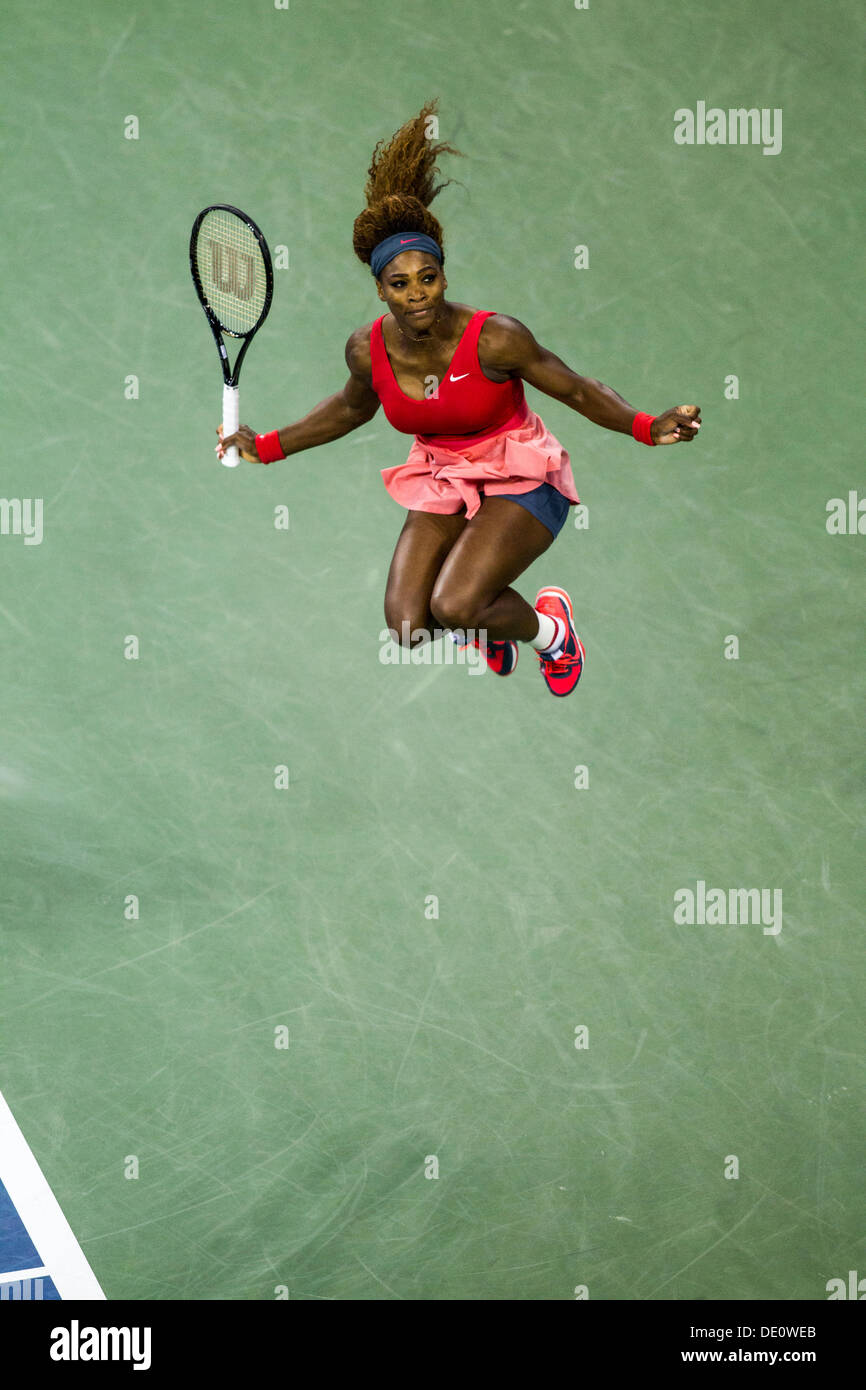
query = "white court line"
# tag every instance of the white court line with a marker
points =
(15, 1276)
(40, 1211)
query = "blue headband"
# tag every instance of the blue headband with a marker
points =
(402, 241)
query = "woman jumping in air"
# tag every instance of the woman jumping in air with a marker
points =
(486, 485)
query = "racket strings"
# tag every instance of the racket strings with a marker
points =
(231, 269)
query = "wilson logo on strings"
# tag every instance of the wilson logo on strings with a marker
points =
(227, 275)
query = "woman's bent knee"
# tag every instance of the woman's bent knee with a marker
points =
(454, 611)
(407, 631)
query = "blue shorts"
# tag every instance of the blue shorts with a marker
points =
(545, 502)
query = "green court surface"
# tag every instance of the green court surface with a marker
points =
(303, 1163)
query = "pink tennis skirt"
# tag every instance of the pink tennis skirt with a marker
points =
(438, 479)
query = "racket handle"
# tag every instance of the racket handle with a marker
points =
(231, 420)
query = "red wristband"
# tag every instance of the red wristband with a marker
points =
(640, 427)
(268, 447)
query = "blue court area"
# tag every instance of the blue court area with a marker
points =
(22, 1273)
(40, 1258)
(328, 977)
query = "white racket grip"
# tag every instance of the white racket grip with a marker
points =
(231, 420)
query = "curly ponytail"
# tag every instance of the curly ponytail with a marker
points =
(400, 186)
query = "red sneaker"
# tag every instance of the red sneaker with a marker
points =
(563, 673)
(501, 657)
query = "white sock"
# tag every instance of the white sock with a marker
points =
(551, 634)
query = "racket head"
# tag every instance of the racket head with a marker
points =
(231, 269)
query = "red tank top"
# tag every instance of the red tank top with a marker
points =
(467, 402)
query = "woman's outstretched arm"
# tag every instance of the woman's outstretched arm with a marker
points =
(333, 417)
(507, 347)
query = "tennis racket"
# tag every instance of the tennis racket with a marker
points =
(232, 272)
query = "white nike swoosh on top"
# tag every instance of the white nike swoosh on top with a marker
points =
(460, 377)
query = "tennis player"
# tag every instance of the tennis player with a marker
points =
(486, 486)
